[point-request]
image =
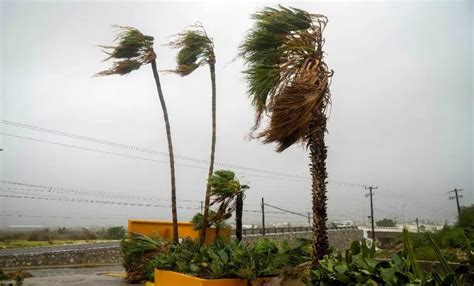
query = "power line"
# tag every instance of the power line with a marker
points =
(30, 215)
(291, 177)
(92, 193)
(141, 149)
(30, 194)
(288, 211)
(139, 158)
(78, 200)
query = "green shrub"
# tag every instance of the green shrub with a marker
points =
(116, 232)
(260, 258)
(137, 251)
(360, 268)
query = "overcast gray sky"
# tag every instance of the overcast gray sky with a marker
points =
(401, 118)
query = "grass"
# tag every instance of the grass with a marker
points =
(9, 244)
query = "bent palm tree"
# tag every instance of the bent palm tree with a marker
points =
(197, 49)
(228, 193)
(133, 50)
(289, 81)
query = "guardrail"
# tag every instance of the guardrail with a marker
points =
(292, 229)
(382, 229)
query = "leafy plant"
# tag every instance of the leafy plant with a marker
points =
(263, 257)
(137, 251)
(360, 268)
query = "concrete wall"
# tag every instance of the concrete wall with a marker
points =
(339, 239)
(91, 256)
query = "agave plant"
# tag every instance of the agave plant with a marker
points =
(133, 50)
(197, 49)
(288, 80)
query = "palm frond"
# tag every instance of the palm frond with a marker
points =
(287, 77)
(195, 49)
(133, 49)
(225, 188)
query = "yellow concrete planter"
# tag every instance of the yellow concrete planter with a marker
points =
(171, 278)
(164, 229)
(148, 283)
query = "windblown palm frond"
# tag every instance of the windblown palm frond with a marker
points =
(287, 77)
(195, 49)
(133, 50)
(225, 188)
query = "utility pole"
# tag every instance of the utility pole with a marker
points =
(371, 194)
(417, 226)
(201, 206)
(309, 219)
(263, 217)
(456, 196)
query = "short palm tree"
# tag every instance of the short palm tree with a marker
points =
(133, 50)
(196, 49)
(228, 194)
(289, 81)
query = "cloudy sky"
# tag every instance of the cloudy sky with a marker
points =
(401, 118)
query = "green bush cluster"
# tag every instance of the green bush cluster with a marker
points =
(222, 259)
(62, 233)
(265, 258)
(359, 267)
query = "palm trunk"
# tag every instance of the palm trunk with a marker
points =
(170, 151)
(239, 207)
(318, 154)
(213, 149)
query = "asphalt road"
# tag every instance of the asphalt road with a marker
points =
(49, 249)
(106, 275)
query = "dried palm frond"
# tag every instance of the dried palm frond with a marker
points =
(288, 79)
(195, 49)
(133, 50)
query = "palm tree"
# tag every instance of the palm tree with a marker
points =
(197, 49)
(228, 194)
(134, 49)
(289, 81)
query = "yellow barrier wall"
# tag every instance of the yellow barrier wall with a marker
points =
(164, 229)
(171, 278)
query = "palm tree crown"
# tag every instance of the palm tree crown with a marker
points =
(287, 77)
(133, 50)
(225, 188)
(195, 49)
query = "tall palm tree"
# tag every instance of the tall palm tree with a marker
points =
(197, 49)
(289, 81)
(132, 50)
